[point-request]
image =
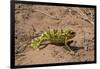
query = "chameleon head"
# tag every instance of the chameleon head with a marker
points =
(70, 34)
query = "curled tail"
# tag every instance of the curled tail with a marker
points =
(37, 41)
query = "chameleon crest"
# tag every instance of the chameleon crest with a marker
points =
(55, 37)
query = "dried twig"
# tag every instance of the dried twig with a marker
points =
(83, 16)
(36, 10)
(53, 17)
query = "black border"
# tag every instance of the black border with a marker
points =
(12, 33)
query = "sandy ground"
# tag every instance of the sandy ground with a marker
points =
(32, 20)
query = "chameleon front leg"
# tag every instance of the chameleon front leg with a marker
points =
(68, 48)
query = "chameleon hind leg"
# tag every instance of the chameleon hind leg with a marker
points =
(43, 46)
(67, 47)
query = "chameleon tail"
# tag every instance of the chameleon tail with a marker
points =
(37, 41)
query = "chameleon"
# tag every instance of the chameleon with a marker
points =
(55, 37)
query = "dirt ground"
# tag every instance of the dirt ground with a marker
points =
(32, 20)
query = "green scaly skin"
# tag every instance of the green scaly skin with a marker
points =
(56, 37)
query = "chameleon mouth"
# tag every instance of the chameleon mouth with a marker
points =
(72, 34)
